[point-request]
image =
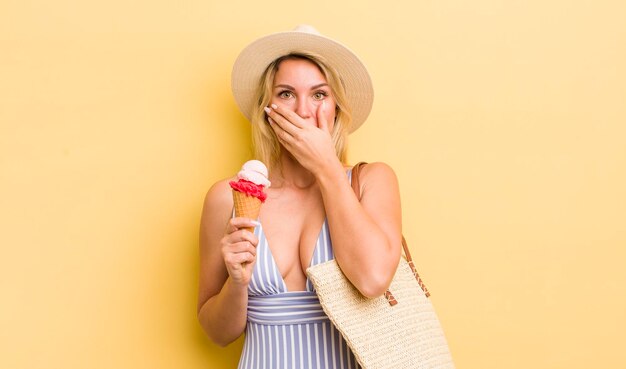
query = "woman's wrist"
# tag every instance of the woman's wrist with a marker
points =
(235, 287)
(330, 174)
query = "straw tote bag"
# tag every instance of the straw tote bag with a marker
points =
(397, 330)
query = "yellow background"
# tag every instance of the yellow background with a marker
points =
(504, 120)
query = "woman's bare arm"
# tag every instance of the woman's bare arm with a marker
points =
(366, 235)
(227, 256)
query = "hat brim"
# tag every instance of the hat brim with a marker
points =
(256, 57)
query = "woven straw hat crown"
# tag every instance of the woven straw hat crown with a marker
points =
(256, 57)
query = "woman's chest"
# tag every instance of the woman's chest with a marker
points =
(292, 228)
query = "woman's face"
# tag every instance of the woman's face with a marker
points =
(300, 86)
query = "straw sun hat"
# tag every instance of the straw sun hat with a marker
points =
(256, 57)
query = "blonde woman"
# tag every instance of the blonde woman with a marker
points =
(303, 94)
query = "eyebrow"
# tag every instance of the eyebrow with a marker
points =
(291, 88)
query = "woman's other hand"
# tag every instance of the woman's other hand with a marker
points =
(238, 248)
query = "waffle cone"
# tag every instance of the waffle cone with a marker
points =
(246, 206)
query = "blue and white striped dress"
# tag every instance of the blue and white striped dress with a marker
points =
(289, 330)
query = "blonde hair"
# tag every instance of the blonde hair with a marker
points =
(266, 145)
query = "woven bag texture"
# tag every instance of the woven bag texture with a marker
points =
(405, 336)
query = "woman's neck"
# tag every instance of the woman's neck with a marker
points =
(288, 172)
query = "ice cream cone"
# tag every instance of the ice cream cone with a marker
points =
(246, 206)
(248, 190)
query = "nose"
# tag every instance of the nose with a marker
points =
(303, 109)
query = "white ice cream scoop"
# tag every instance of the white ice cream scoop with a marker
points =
(254, 171)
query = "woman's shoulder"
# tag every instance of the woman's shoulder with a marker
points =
(377, 171)
(219, 196)
(379, 189)
(376, 179)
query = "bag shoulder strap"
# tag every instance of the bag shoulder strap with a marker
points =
(356, 187)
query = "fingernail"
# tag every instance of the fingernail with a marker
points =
(255, 222)
(267, 110)
(274, 106)
(270, 120)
